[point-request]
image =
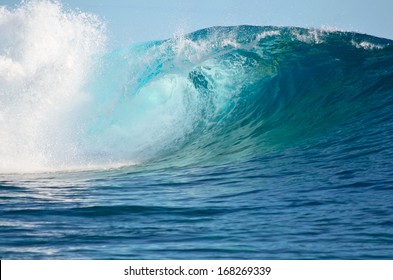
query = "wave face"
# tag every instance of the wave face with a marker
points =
(218, 94)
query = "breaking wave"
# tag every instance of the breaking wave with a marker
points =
(218, 94)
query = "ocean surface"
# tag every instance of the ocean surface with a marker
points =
(241, 142)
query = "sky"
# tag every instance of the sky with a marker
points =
(130, 21)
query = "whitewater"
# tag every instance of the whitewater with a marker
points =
(235, 142)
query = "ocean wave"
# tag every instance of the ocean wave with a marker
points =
(218, 94)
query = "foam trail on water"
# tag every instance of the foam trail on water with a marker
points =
(45, 56)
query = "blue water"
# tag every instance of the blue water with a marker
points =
(227, 143)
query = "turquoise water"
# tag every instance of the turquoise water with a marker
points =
(238, 142)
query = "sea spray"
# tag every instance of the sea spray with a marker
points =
(45, 58)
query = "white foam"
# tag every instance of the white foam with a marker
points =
(266, 34)
(366, 45)
(311, 36)
(45, 53)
